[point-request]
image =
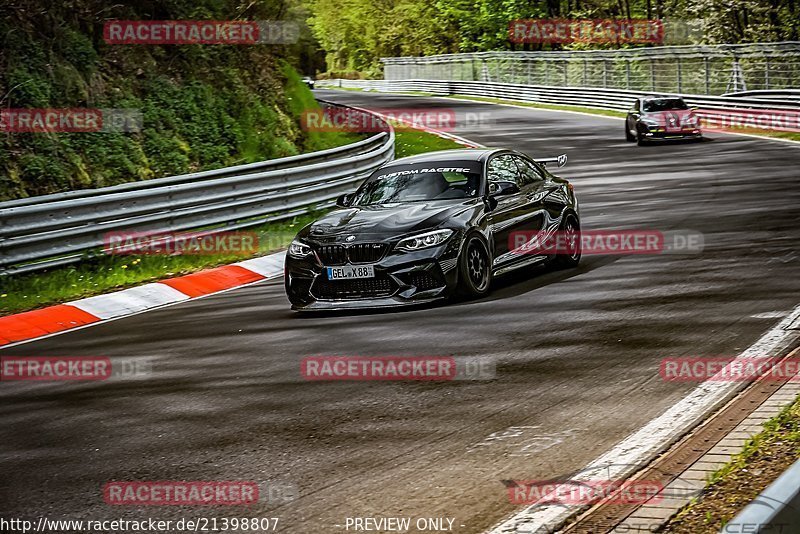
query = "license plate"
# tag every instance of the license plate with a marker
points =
(349, 272)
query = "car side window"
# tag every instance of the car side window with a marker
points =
(528, 172)
(503, 169)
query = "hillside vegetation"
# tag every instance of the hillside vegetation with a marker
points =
(203, 106)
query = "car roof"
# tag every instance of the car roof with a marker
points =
(468, 154)
(653, 97)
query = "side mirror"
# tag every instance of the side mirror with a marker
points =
(501, 189)
(343, 200)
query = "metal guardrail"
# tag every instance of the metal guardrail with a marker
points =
(718, 107)
(776, 509)
(52, 230)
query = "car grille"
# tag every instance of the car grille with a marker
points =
(425, 280)
(357, 253)
(382, 286)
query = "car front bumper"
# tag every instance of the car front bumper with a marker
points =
(401, 278)
(661, 134)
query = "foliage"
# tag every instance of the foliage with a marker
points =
(356, 33)
(203, 106)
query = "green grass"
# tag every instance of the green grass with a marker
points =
(106, 273)
(733, 486)
(784, 427)
(411, 142)
(103, 274)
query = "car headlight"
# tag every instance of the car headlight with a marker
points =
(691, 120)
(428, 239)
(299, 250)
(649, 122)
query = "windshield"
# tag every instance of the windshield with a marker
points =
(420, 182)
(664, 104)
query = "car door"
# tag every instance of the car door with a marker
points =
(510, 212)
(535, 187)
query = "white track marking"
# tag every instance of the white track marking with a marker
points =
(129, 301)
(635, 451)
(267, 266)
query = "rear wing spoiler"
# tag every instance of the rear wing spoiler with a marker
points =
(561, 160)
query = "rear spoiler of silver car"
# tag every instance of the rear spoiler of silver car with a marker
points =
(561, 160)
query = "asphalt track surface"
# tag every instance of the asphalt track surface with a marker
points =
(577, 354)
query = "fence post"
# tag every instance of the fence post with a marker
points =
(652, 75)
(680, 75)
(766, 72)
(707, 78)
(529, 62)
(585, 72)
(605, 73)
(627, 74)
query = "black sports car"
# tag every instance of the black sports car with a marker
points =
(661, 117)
(424, 227)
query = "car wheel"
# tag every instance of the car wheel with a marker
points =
(571, 257)
(475, 268)
(628, 135)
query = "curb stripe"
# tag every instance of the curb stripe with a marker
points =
(37, 323)
(213, 280)
(129, 301)
(267, 266)
(59, 318)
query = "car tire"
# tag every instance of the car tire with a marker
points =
(569, 226)
(474, 268)
(628, 135)
(640, 140)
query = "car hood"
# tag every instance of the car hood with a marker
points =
(384, 221)
(678, 115)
